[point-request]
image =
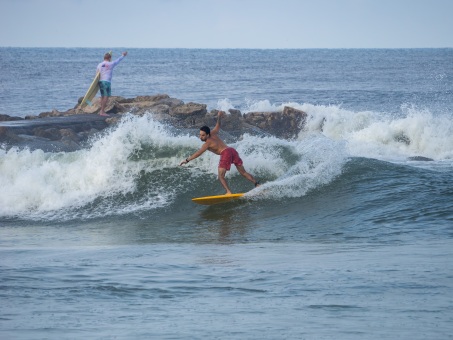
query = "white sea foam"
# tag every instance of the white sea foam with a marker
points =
(224, 105)
(58, 185)
(414, 132)
(89, 182)
(290, 168)
(37, 184)
(293, 167)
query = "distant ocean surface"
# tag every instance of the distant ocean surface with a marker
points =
(349, 237)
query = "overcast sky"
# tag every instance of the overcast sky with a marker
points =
(227, 23)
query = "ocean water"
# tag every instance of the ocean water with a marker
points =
(349, 237)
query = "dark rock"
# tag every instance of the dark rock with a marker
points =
(6, 118)
(420, 159)
(113, 120)
(50, 133)
(6, 135)
(402, 138)
(235, 112)
(115, 107)
(53, 113)
(160, 109)
(69, 134)
(286, 124)
(153, 99)
(171, 102)
(189, 109)
(73, 127)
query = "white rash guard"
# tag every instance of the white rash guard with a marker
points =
(106, 69)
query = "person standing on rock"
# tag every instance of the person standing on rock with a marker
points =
(106, 72)
(228, 155)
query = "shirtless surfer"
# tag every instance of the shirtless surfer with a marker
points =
(228, 155)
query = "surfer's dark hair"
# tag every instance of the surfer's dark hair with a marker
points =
(206, 129)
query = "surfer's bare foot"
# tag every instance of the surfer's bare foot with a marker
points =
(103, 114)
(228, 193)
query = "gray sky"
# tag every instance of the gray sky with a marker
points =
(227, 23)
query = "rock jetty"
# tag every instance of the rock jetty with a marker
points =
(69, 130)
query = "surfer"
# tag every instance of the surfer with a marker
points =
(106, 71)
(228, 155)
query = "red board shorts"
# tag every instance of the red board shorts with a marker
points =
(229, 156)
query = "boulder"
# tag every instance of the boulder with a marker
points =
(6, 118)
(190, 109)
(50, 133)
(151, 99)
(53, 113)
(286, 124)
(71, 128)
(69, 134)
(6, 135)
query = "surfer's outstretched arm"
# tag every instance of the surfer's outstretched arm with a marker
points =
(195, 155)
(217, 126)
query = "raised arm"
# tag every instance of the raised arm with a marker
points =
(217, 126)
(116, 62)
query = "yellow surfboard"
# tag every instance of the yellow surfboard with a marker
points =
(91, 93)
(210, 200)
